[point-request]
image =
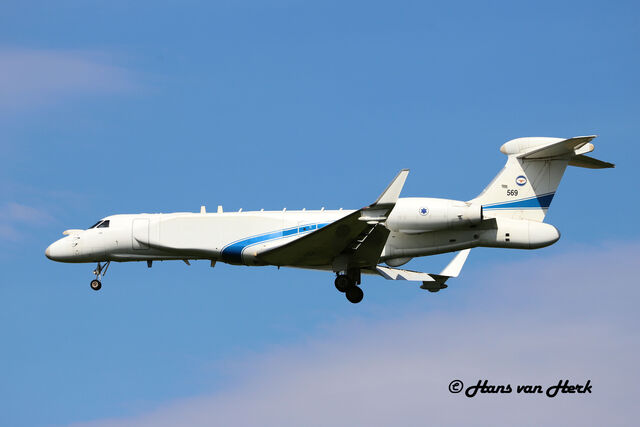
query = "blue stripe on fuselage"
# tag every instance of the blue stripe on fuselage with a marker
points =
(543, 201)
(232, 253)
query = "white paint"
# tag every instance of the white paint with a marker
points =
(417, 226)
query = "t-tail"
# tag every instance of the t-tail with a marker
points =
(525, 187)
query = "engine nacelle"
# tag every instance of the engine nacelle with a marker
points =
(417, 215)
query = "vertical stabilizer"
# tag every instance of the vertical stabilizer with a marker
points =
(525, 187)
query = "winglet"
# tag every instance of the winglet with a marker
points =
(451, 270)
(455, 266)
(390, 195)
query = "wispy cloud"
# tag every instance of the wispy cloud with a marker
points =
(16, 217)
(32, 77)
(536, 322)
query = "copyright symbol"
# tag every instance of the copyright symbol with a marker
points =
(456, 386)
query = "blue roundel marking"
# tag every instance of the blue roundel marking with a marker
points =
(423, 211)
(521, 180)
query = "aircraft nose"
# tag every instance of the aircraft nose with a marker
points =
(60, 250)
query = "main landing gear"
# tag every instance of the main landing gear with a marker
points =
(349, 287)
(100, 271)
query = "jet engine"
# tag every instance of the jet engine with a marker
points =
(418, 215)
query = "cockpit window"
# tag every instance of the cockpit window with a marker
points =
(104, 224)
(95, 225)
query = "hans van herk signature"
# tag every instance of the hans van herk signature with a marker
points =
(483, 387)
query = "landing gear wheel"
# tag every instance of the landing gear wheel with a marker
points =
(354, 294)
(100, 271)
(435, 288)
(343, 283)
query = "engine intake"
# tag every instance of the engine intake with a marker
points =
(418, 215)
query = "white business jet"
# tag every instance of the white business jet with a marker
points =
(392, 230)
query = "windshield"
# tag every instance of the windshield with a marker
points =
(95, 225)
(104, 224)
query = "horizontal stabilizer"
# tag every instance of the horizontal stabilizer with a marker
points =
(567, 147)
(583, 161)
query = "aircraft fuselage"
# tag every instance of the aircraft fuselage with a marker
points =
(240, 237)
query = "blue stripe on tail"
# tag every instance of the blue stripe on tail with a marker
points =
(543, 201)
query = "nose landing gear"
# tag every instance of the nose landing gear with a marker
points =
(100, 271)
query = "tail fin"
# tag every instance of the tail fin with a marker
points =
(524, 188)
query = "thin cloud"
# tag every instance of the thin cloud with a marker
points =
(24, 214)
(15, 218)
(570, 317)
(32, 77)
(9, 232)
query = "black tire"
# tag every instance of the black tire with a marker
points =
(343, 283)
(438, 288)
(96, 285)
(354, 294)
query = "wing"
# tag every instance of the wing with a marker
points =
(355, 240)
(431, 282)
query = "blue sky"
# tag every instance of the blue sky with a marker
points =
(111, 107)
